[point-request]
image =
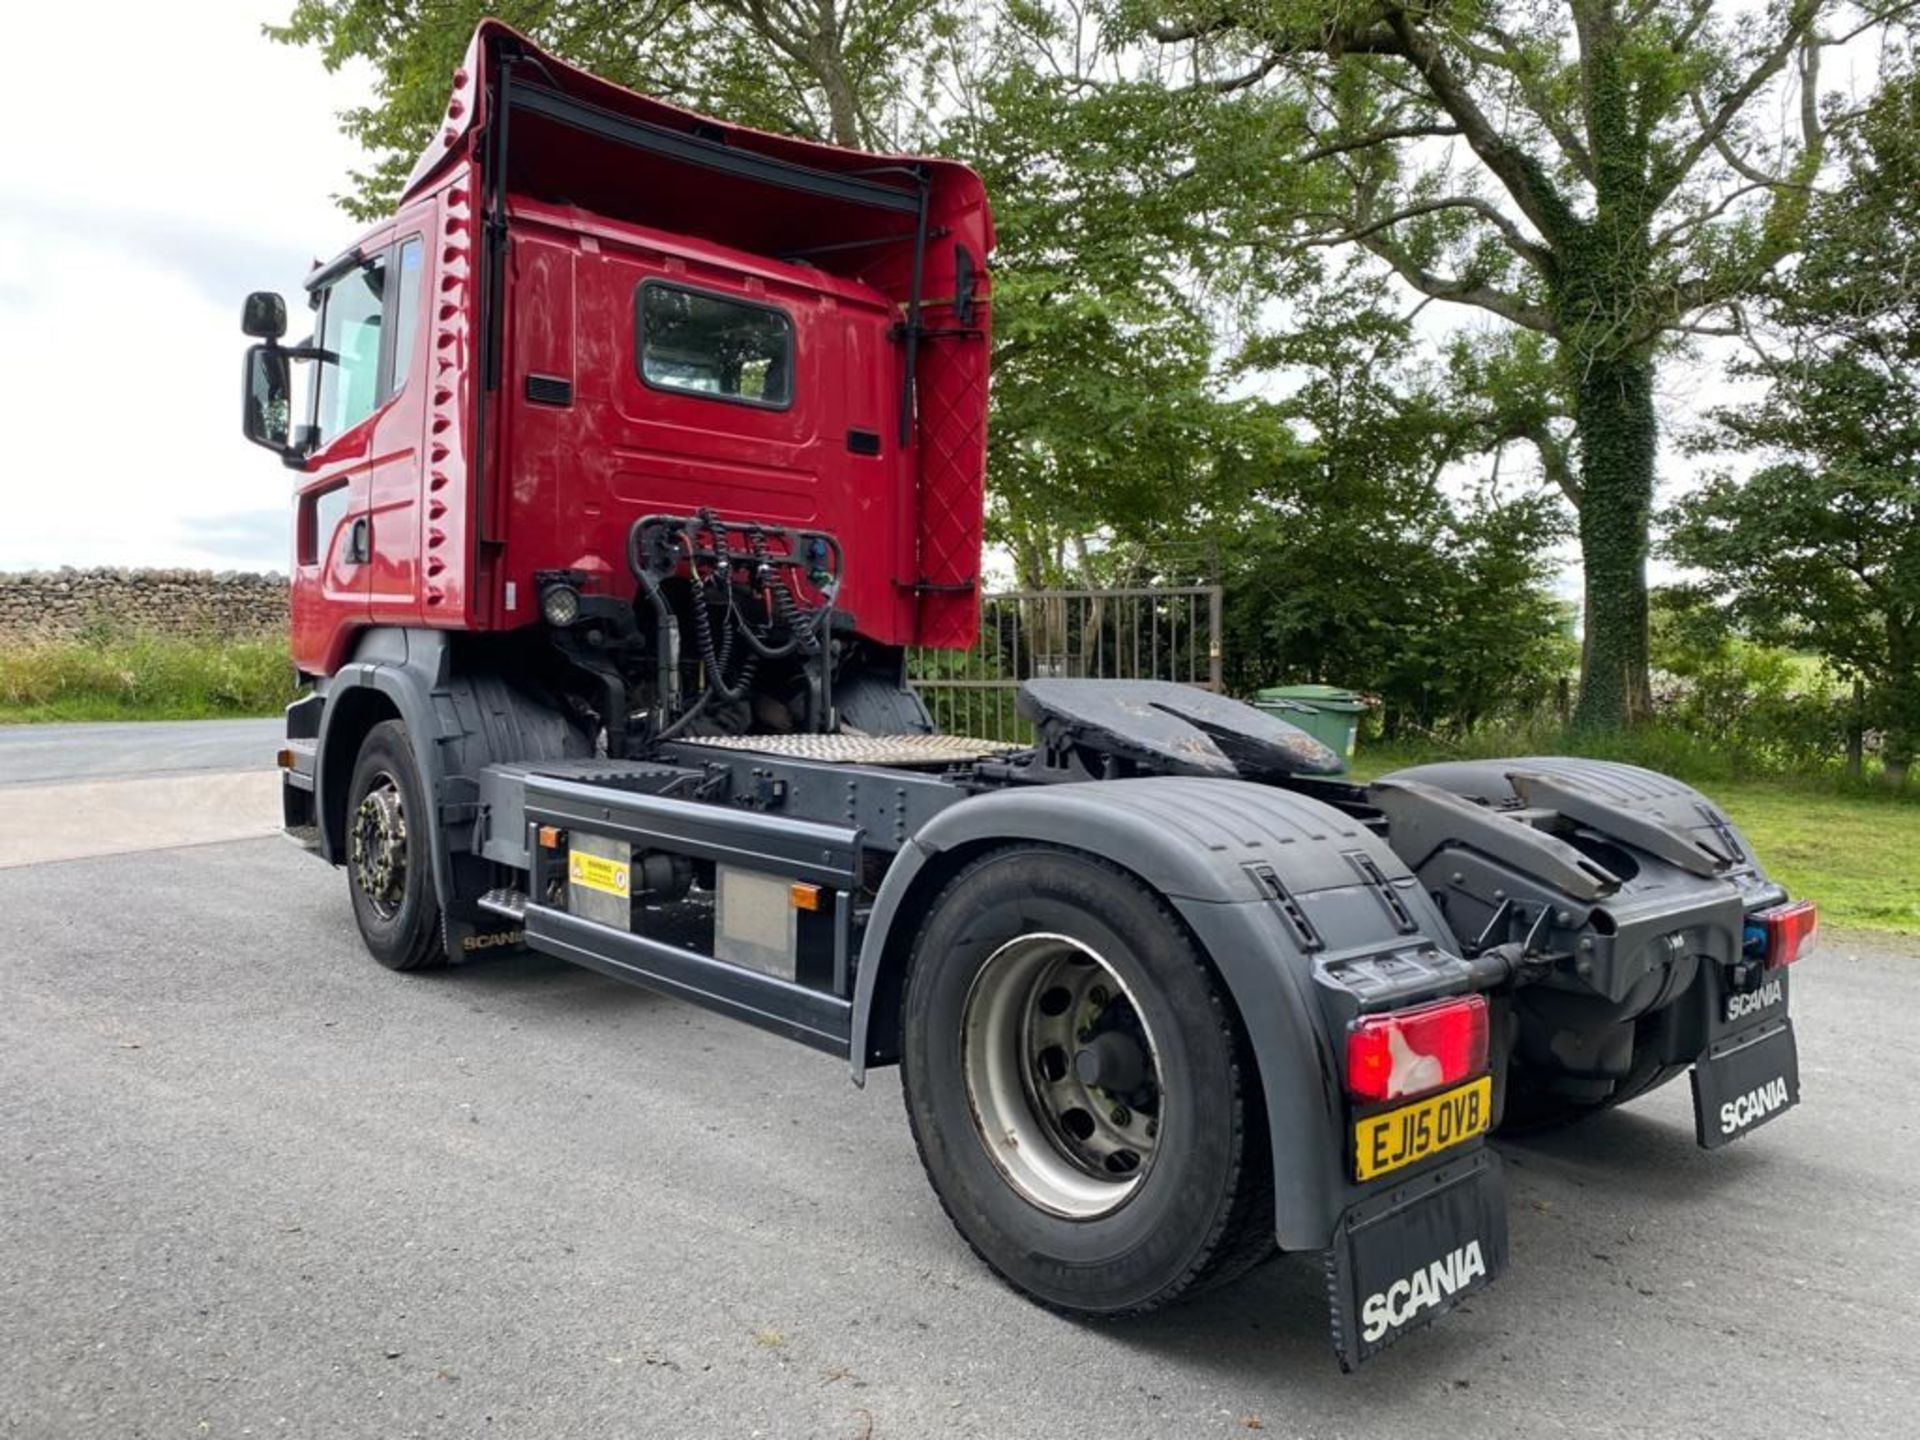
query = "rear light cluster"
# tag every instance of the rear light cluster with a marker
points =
(1410, 1052)
(1780, 936)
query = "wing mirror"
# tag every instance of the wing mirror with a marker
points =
(264, 316)
(266, 414)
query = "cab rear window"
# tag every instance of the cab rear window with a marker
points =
(698, 343)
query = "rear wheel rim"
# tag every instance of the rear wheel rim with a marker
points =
(1063, 1077)
(377, 850)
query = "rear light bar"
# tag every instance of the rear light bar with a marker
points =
(1410, 1052)
(1783, 934)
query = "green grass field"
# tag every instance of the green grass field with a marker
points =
(122, 676)
(1857, 856)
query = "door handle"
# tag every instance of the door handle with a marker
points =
(360, 541)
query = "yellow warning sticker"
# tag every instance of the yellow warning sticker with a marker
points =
(596, 872)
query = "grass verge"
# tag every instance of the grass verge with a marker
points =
(1858, 856)
(1856, 852)
(142, 676)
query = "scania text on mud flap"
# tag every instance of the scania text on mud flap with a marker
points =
(636, 450)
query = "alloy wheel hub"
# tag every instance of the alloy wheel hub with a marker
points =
(1062, 1075)
(378, 847)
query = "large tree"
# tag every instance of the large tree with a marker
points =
(1820, 546)
(1611, 175)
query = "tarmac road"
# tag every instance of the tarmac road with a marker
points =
(70, 791)
(252, 1184)
(44, 754)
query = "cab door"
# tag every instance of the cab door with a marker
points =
(333, 529)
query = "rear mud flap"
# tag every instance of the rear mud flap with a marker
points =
(1403, 1258)
(1743, 1082)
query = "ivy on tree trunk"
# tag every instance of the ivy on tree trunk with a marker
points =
(1618, 438)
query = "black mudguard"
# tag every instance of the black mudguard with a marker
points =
(1299, 906)
(1626, 789)
(458, 723)
(1403, 1258)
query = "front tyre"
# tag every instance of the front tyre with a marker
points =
(1079, 1089)
(389, 867)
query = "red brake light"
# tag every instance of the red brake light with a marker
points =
(1409, 1052)
(1791, 931)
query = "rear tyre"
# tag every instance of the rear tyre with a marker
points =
(389, 865)
(1079, 1089)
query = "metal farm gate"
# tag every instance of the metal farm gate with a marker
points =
(1171, 633)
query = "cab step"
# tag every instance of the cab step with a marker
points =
(507, 902)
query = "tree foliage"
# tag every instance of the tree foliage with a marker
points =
(1820, 546)
(1354, 559)
(1760, 707)
(1109, 410)
(854, 72)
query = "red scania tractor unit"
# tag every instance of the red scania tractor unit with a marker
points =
(635, 452)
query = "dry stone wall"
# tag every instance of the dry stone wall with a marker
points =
(174, 602)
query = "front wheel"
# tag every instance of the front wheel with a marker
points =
(1079, 1088)
(389, 868)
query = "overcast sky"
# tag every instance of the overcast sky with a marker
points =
(159, 161)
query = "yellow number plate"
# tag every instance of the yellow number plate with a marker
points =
(596, 872)
(1413, 1132)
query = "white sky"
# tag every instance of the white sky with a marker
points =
(159, 161)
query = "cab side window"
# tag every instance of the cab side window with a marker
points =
(358, 313)
(406, 313)
(350, 330)
(704, 344)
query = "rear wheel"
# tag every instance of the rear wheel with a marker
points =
(389, 868)
(1079, 1089)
